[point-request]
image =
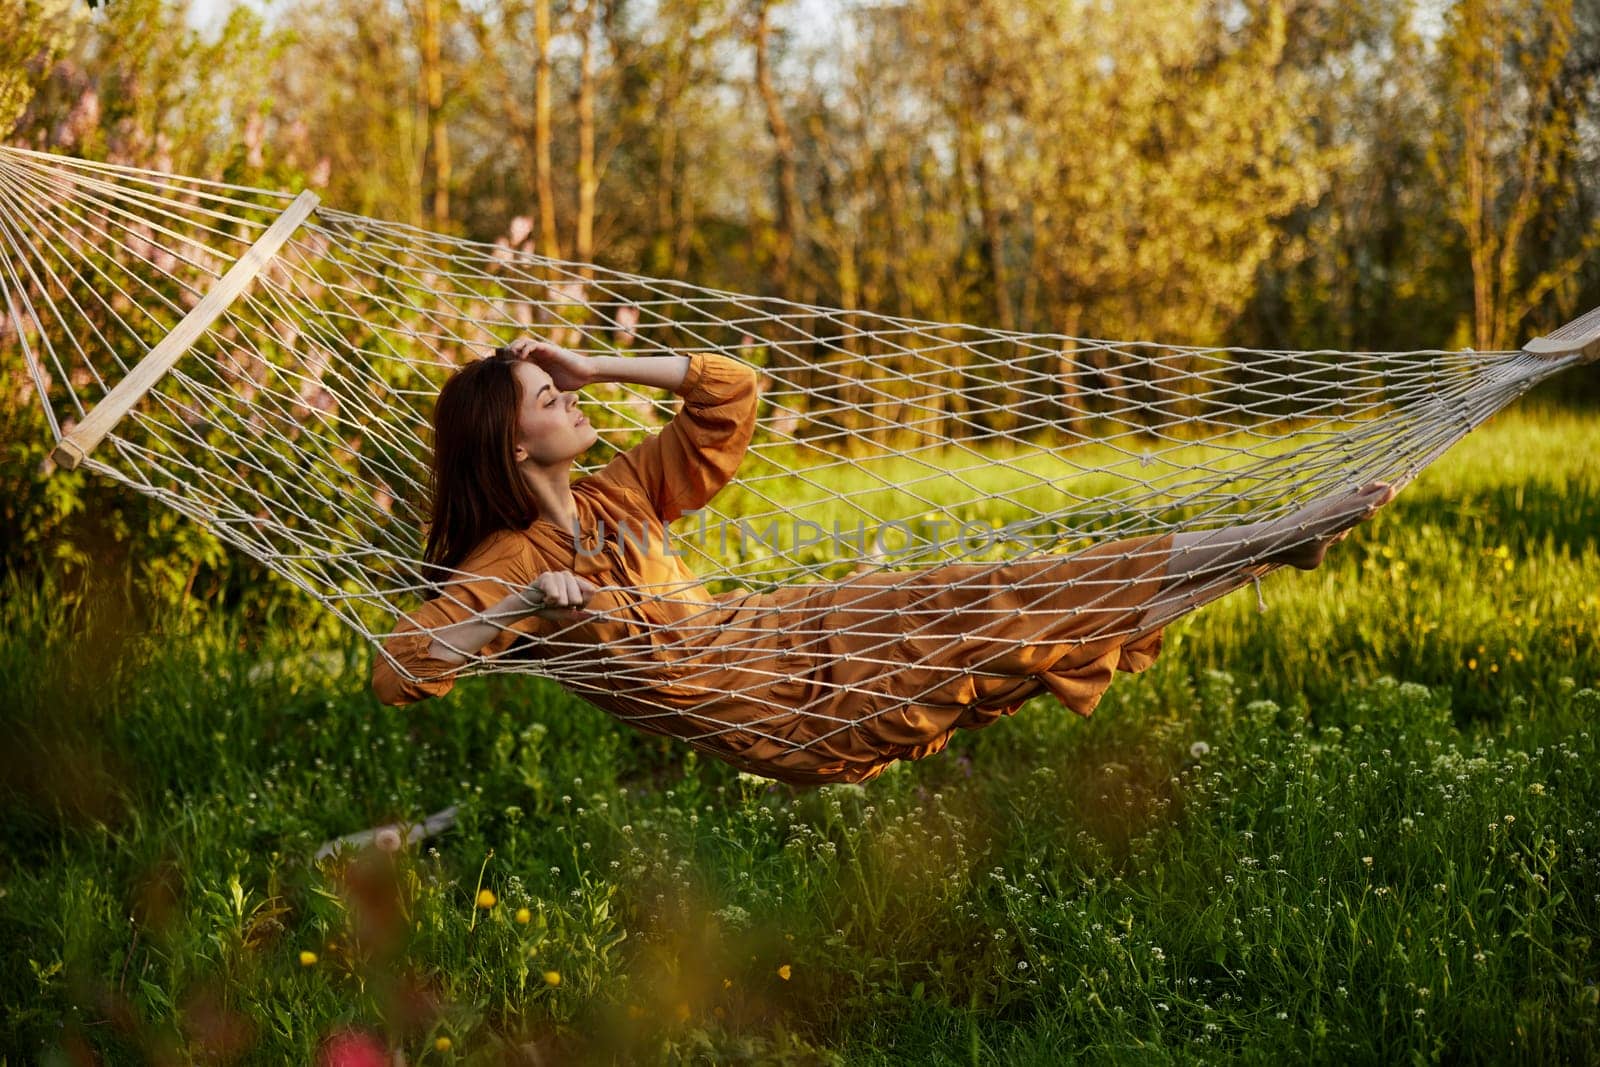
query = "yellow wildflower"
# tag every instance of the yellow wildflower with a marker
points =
(486, 898)
(441, 1044)
(307, 958)
(552, 978)
(783, 972)
(524, 916)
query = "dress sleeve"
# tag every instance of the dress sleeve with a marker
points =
(683, 466)
(507, 563)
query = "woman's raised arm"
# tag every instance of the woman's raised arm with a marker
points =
(681, 468)
(569, 371)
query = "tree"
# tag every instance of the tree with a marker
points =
(133, 84)
(1363, 266)
(787, 230)
(438, 129)
(1512, 104)
(39, 31)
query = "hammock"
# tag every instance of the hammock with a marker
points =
(267, 366)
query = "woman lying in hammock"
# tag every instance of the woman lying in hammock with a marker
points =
(826, 682)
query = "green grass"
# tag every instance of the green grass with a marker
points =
(1363, 826)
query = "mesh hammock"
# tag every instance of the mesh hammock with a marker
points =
(267, 366)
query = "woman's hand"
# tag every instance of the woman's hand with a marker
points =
(568, 370)
(557, 589)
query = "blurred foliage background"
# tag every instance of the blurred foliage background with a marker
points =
(1397, 174)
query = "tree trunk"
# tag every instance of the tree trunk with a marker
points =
(993, 239)
(549, 244)
(788, 220)
(438, 132)
(587, 182)
(666, 125)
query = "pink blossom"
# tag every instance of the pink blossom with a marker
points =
(254, 128)
(520, 230)
(352, 1048)
(627, 319)
(317, 363)
(567, 292)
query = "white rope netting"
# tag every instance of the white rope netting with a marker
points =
(296, 426)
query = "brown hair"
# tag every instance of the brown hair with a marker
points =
(474, 487)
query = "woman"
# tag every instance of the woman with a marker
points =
(827, 682)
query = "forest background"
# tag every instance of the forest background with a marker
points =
(1389, 175)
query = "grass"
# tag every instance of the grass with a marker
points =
(1361, 827)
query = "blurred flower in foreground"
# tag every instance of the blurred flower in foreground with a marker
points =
(486, 898)
(352, 1048)
(783, 972)
(552, 978)
(307, 958)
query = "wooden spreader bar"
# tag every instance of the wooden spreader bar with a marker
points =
(1580, 337)
(76, 446)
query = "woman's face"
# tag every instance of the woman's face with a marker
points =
(551, 429)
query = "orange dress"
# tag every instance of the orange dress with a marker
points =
(824, 682)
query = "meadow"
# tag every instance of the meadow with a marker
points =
(1361, 826)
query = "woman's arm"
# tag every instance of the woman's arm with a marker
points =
(488, 606)
(683, 466)
(663, 372)
(569, 371)
(459, 642)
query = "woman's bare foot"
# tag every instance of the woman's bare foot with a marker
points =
(1317, 527)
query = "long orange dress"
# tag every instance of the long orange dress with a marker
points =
(826, 682)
